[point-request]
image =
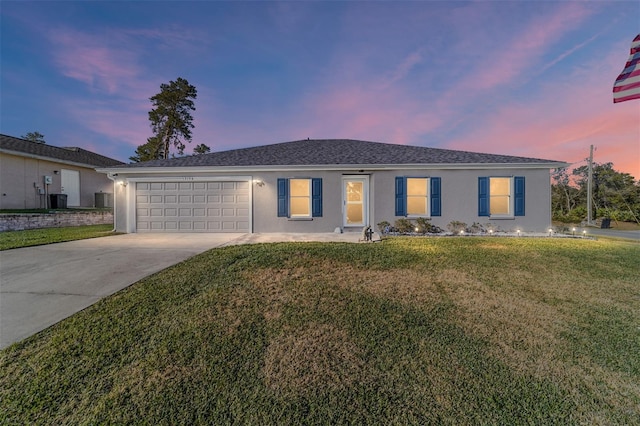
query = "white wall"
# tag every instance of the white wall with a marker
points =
(20, 178)
(459, 198)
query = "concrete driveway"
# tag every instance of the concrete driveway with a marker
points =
(45, 284)
(42, 285)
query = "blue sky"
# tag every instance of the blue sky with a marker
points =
(519, 78)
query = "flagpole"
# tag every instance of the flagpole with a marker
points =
(589, 186)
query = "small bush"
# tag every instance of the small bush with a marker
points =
(477, 228)
(384, 227)
(456, 226)
(423, 225)
(404, 226)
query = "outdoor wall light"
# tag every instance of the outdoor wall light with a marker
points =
(258, 182)
(122, 183)
(55, 172)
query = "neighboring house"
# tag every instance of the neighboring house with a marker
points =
(31, 171)
(321, 185)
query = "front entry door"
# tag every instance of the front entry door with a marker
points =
(355, 198)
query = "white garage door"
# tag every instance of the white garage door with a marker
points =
(192, 206)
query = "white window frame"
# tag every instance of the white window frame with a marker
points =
(426, 197)
(309, 197)
(511, 213)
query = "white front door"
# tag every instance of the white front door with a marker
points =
(70, 185)
(355, 200)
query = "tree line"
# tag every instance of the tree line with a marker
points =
(615, 195)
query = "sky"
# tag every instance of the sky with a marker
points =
(519, 78)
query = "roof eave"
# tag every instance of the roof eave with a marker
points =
(330, 167)
(45, 158)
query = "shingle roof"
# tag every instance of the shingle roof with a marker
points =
(69, 155)
(319, 152)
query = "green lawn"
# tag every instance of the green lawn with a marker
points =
(407, 331)
(36, 237)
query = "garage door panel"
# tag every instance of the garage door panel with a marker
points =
(193, 206)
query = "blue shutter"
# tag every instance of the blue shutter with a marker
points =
(483, 196)
(283, 197)
(401, 196)
(519, 195)
(316, 197)
(436, 198)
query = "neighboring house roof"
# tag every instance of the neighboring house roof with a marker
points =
(332, 152)
(74, 155)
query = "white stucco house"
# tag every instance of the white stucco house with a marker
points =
(320, 185)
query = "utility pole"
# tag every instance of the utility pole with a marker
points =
(589, 186)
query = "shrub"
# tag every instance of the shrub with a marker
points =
(423, 225)
(457, 226)
(477, 228)
(404, 226)
(384, 227)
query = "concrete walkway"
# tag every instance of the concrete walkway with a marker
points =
(42, 285)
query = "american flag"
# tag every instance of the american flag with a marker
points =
(627, 85)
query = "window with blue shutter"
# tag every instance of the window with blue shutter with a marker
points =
(501, 196)
(418, 196)
(401, 196)
(518, 195)
(483, 196)
(301, 197)
(436, 198)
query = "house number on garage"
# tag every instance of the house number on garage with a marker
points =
(186, 178)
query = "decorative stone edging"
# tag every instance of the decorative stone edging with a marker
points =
(23, 221)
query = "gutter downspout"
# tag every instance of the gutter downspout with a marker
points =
(112, 177)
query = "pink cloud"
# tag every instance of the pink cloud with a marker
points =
(564, 119)
(90, 60)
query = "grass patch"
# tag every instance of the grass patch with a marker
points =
(36, 237)
(407, 331)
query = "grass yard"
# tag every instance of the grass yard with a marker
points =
(407, 331)
(36, 237)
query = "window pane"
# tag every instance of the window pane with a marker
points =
(299, 187)
(499, 205)
(354, 191)
(500, 186)
(417, 186)
(354, 214)
(416, 206)
(300, 206)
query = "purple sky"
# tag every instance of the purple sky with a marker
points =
(518, 78)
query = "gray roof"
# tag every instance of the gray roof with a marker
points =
(324, 152)
(68, 155)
